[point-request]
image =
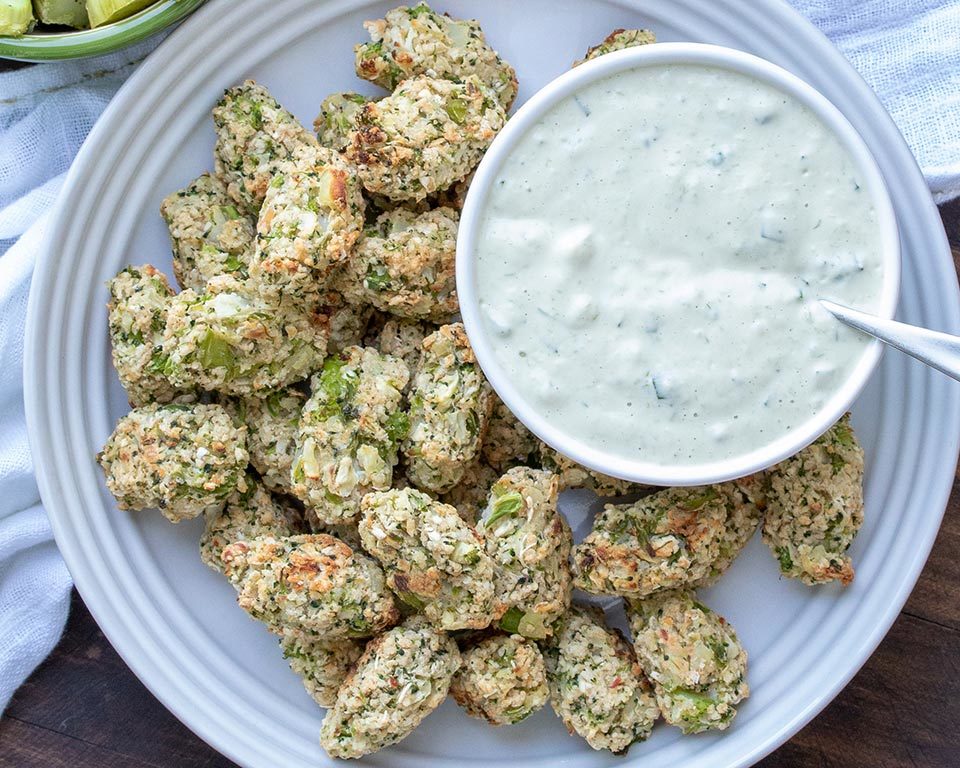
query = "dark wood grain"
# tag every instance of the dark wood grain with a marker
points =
(84, 699)
(900, 710)
(936, 598)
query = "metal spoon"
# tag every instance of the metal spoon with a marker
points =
(936, 349)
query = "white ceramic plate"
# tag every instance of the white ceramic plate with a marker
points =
(176, 623)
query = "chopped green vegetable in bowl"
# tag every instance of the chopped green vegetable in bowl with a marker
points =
(49, 30)
(66, 13)
(16, 17)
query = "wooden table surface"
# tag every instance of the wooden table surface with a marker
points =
(83, 708)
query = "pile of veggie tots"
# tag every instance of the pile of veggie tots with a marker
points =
(372, 501)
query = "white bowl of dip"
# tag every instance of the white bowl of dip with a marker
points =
(641, 256)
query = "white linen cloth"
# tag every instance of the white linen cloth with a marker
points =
(909, 53)
(45, 113)
(908, 50)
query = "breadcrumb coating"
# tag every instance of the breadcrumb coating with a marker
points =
(668, 539)
(137, 317)
(254, 136)
(272, 422)
(248, 515)
(345, 323)
(402, 676)
(502, 679)
(815, 507)
(573, 475)
(424, 137)
(617, 41)
(184, 460)
(694, 658)
(210, 235)
(471, 493)
(745, 506)
(349, 432)
(312, 216)
(507, 442)
(231, 340)
(449, 407)
(337, 118)
(597, 687)
(348, 533)
(404, 265)
(434, 561)
(323, 665)
(530, 542)
(455, 196)
(310, 583)
(402, 338)
(418, 41)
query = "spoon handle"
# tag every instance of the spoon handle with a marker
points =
(936, 349)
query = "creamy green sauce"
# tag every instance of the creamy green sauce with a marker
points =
(651, 256)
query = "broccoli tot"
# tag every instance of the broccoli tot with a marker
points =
(502, 679)
(694, 658)
(573, 475)
(349, 432)
(323, 665)
(404, 339)
(348, 533)
(815, 507)
(597, 688)
(507, 442)
(746, 502)
(249, 514)
(209, 234)
(402, 676)
(419, 41)
(470, 494)
(434, 561)
(345, 323)
(183, 459)
(424, 137)
(254, 136)
(311, 583)
(665, 540)
(449, 408)
(405, 265)
(530, 542)
(231, 340)
(617, 41)
(137, 316)
(272, 421)
(455, 196)
(337, 117)
(311, 217)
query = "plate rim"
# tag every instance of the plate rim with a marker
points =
(163, 686)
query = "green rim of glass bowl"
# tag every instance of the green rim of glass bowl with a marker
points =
(55, 46)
